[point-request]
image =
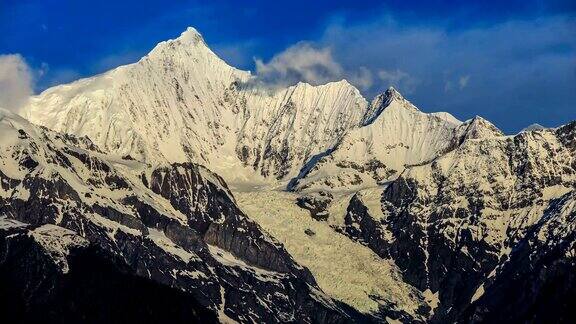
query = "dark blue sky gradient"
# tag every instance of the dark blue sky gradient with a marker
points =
(513, 80)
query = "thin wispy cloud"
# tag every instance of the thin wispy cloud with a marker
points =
(463, 81)
(238, 54)
(362, 78)
(112, 61)
(398, 79)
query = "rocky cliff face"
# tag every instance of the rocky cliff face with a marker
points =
(460, 222)
(536, 283)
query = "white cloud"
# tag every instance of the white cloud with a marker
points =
(362, 78)
(459, 84)
(392, 77)
(300, 62)
(307, 62)
(16, 82)
(448, 86)
(398, 79)
(463, 81)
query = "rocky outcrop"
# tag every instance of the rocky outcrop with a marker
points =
(362, 227)
(317, 204)
(188, 188)
(538, 281)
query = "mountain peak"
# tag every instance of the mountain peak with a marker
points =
(533, 127)
(477, 128)
(392, 93)
(191, 36)
(334, 84)
(343, 82)
(390, 98)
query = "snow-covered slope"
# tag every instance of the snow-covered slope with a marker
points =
(283, 131)
(345, 270)
(160, 108)
(395, 134)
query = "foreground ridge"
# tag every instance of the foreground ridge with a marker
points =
(173, 230)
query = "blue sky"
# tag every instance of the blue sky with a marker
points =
(512, 62)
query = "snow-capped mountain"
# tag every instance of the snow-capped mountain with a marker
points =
(182, 103)
(340, 209)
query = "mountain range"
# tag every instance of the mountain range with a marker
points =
(181, 189)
